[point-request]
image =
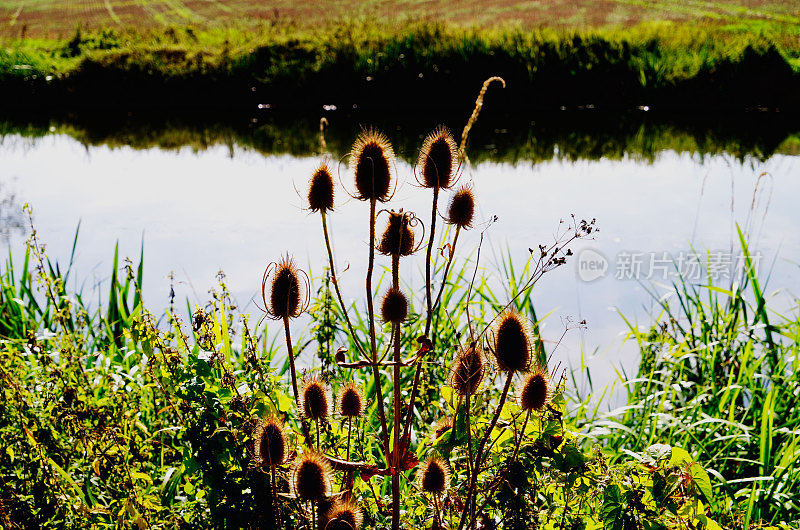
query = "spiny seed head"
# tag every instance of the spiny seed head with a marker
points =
(398, 237)
(511, 344)
(468, 370)
(315, 402)
(438, 158)
(288, 289)
(461, 210)
(536, 392)
(270, 442)
(434, 476)
(351, 401)
(443, 425)
(320, 189)
(344, 515)
(311, 477)
(394, 307)
(371, 161)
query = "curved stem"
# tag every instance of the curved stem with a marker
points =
(375, 371)
(350, 327)
(476, 469)
(521, 435)
(428, 261)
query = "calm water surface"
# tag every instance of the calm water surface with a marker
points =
(234, 209)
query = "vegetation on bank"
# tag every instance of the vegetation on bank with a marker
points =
(661, 65)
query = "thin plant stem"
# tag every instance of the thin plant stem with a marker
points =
(375, 370)
(316, 428)
(276, 507)
(447, 268)
(397, 409)
(349, 430)
(521, 435)
(350, 327)
(428, 253)
(476, 469)
(470, 469)
(290, 352)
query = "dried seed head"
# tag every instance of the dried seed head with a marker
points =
(394, 307)
(288, 289)
(311, 477)
(351, 401)
(398, 237)
(437, 159)
(320, 190)
(443, 425)
(461, 210)
(468, 370)
(371, 160)
(270, 442)
(315, 401)
(434, 476)
(511, 344)
(535, 393)
(344, 515)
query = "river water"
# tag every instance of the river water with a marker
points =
(230, 206)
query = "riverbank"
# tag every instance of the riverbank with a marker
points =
(663, 66)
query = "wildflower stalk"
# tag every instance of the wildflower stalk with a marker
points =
(466, 514)
(397, 408)
(428, 261)
(350, 327)
(290, 353)
(371, 311)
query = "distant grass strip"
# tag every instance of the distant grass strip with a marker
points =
(666, 65)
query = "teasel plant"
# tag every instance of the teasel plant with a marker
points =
(506, 344)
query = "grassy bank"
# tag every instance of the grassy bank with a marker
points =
(662, 65)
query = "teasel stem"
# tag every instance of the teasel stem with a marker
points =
(470, 468)
(375, 371)
(349, 430)
(275, 505)
(521, 435)
(397, 408)
(350, 327)
(290, 352)
(316, 428)
(473, 481)
(428, 261)
(447, 267)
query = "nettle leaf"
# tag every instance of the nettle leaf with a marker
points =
(569, 458)
(680, 456)
(701, 480)
(613, 510)
(657, 453)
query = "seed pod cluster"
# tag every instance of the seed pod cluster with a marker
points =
(315, 402)
(511, 343)
(351, 401)
(536, 392)
(398, 236)
(437, 159)
(371, 160)
(394, 307)
(321, 190)
(468, 370)
(434, 476)
(311, 477)
(461, 210)
(270, 442)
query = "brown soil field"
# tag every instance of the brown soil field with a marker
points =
(60, 18)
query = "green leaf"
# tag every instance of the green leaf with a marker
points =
(701, 479)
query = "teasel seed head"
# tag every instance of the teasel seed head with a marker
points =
(311, 477)
(315, 401)
(321, 190)
(351, 401)
(394, 307)
(270, 442)
(511, 343)
(434, 476)
(438, 159)
(284, 289)
(536, 392)
(344, 515)
(443, 425)
(468, 370)
(371, 160)
(461, 209)
(398, 236)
